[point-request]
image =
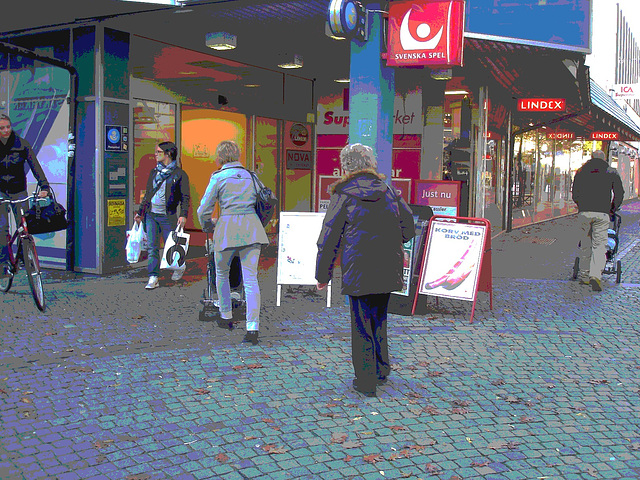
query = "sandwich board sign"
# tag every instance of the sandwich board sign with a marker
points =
(298, 250)
(457, 259)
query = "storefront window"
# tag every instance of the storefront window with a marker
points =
(153, 122)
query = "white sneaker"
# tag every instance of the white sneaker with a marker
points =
(153, 283)
(177, 274)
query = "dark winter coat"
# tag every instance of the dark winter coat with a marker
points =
(370, 222)
(592, 186)
(16, 158)
(176, 192)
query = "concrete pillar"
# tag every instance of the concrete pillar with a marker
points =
(372, 93)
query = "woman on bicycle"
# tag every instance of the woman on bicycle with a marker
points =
(16, 155)
(238, 230)
(167, 186)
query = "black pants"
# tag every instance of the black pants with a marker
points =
(369, 348)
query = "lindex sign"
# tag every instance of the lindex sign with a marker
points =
(542, 105)
(605, 136)
(425, 33)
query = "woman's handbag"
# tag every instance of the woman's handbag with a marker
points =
(46, 215)
(174, 255)
(265, 200)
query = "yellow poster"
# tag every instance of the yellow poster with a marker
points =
(116, 213)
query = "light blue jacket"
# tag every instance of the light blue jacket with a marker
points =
(238, 225)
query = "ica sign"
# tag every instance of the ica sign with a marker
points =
(425, 32)
(627, 90)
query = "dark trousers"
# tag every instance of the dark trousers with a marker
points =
(369, 348)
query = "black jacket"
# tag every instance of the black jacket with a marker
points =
(592, 187)
(176, 192)
(370, 222)
(16, 158)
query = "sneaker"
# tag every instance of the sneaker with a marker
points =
(382, 380)
(153, 283)
(595, 283)
(584, 281)
(177, 274)
(251, 337)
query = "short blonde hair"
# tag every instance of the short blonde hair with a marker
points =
(228, 151)
(357, 157)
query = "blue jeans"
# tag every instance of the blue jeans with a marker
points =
(249, 256)
(369, 346)
(157, 225)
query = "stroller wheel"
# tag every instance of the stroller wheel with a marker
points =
(576, 267)
(618, 271)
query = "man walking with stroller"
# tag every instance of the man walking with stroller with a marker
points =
(592, 190)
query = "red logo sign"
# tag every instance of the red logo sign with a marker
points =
(426, 32)
(561, 135)
(542, 105)
(605, 136)
(299, 134)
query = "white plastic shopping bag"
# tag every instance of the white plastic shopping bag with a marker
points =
(174, 255)
(135, 238)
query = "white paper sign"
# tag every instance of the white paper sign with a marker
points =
(451, 265)
(298, 247)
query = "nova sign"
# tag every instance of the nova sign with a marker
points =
(542, 105)
(425, 32)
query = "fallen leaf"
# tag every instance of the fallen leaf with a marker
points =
(397, 427)
(222, 457)
(255, 366)
(273, 450)
(635, 446)
(598, 381)
(431, 468)
(348, 458)
(373, 458)
(338, 437)
(352, 444)
(414, 395)
(48, 334)
(525, 419)
(497, 444)
(26, 400)
(459, 411)
(498, 382)
(460, 403)
(431, 410)
(237, 367)
(480, 464)
(268, 420)
(435, 374)
(330, 415)
(512, 445)
(201, 391)
(423, 364)
(250, 437)
(512, 399)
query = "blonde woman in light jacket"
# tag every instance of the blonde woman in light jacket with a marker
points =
(238, 230)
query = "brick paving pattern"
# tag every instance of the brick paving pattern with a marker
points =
(115, 382)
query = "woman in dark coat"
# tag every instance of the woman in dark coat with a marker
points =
(370, 222)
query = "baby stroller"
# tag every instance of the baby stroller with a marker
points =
(210, 298)
(613, 241)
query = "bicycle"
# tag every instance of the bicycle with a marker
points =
(25, 253)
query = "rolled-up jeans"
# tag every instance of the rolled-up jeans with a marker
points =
(4, 220)
(249, 256)
(593, 243)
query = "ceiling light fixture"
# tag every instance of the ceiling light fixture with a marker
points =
(295, 63)
(251, 85)
(342, 80)
(456, 92)
(442, 74)
(221, 41)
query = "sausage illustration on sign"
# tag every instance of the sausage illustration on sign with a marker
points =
(456, 274)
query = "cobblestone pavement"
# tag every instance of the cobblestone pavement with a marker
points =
(115, 382)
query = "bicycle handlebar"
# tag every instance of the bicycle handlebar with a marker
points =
(3, 201)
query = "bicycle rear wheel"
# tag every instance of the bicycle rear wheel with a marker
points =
(6, 281)
(32, 266)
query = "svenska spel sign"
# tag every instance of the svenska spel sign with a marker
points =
(605, 136)
(425, 32)
(542, 105)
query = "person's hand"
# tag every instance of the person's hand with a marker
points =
(182, 221)
(321, 286)
(43, 193)
(137, 218)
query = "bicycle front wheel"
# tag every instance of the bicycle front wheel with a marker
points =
(32, 267)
